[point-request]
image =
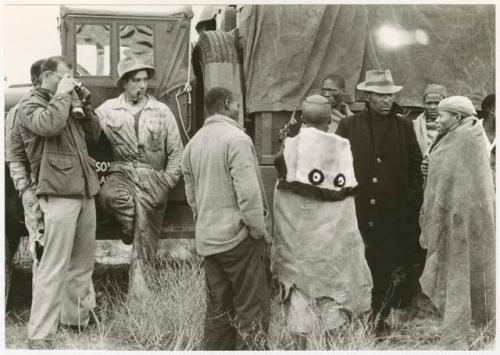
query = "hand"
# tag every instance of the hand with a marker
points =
(263, 234)
(66, 85)
(32, 250)
(84, 94)
(424, 167)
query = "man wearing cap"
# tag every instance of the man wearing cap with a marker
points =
(147, 153)
(66, 183)
(333, 89)
(424, 124)
(458, 224)
(318, 252)
(387, 167)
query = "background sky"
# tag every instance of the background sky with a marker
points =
(30, 33)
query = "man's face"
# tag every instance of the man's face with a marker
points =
(445, 120)
(137, 85)
(332, 92)
(490, 113)
(53, 78)
(380, 103)
(431, 102)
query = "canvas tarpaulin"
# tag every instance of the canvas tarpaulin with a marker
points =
(289, 49)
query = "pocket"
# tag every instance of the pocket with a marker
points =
(154, 137)
(62, 163)
(115, 132)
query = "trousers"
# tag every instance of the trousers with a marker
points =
(137, 198)
(62, 284)
(238, 298)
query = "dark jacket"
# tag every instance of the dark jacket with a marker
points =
(55, 145)
(387, 169)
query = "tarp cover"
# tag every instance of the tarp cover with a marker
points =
(289, 49)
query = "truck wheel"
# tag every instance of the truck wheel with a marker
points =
(217, 47)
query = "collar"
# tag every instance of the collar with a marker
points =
(396, 111)
(121, 104)
(221, 118)
(45, 94)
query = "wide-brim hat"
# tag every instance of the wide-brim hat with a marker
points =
(128, 65)
(380, 82)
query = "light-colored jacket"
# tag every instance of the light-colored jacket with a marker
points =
(223, 185)
(157, 142)
(425, 136)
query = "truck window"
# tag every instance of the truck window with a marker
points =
(137, 41)
(92, 49)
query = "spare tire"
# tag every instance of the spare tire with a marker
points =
(217, 47)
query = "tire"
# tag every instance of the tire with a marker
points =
(217, 47)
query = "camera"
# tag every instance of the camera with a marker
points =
(76, 103)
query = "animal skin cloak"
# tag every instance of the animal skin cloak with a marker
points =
(317, 244)
(458, 229)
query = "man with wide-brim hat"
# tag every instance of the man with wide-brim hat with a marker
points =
(147, 153)
(387, 167)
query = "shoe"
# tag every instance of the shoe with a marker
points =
(40, 344)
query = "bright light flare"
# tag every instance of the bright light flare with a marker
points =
(393, 38)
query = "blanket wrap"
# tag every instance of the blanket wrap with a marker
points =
(317, 245)
(458, 230)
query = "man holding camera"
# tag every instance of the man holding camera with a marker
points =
(66, 184)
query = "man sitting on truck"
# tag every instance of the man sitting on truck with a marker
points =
(66, 184)
(147, 153)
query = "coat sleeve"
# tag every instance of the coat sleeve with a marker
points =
(342, 129)
(189, 189)
(415, 174)
(242, 168)
(173, 147)
(90, 124)
(46, 121)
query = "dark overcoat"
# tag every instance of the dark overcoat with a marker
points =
(390, 191)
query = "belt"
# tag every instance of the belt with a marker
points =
(131, 164)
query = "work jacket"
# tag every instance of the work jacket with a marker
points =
(156, 143)
(55, 145)
(223, 185)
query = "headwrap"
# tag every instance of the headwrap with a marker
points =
(435, 89)
(458, 104)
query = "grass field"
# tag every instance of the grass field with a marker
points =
(171, 317)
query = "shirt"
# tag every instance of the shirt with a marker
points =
(156, 142)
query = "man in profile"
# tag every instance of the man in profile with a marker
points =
(66, 183)
(225, 191)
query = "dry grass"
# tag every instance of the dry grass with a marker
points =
(171, 317)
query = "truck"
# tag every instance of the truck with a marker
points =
(270, 56)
